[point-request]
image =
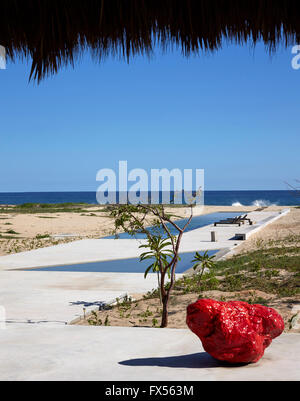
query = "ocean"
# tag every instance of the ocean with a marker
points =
(218, 198)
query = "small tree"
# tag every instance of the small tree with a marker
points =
(203, 262)
(160, 253)
(163, 241)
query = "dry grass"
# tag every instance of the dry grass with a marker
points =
(147, 312)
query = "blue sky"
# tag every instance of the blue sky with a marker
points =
(233, 113)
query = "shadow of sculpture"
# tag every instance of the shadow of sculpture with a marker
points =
(85, 304)
(200, 360)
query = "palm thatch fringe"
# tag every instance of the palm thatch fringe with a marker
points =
(53, 33)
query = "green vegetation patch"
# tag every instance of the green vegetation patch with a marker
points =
(274, 271)
(31, 208)
(11, 232)
(42, 236)
(8, 237)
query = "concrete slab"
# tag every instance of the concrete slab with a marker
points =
(45, 297)
(95, 250)
(114, 353)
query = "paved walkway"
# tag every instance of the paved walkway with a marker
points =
(114, 353)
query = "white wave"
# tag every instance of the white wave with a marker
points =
(262, 203)
(237, 204)
(256, 203)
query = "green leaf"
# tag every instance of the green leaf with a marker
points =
(147, 271)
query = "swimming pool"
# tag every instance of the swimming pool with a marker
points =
(122, 265)
(133, 265)
(197, 222)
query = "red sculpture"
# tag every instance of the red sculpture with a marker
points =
(235, 332)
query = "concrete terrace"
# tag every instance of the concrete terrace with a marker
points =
(117, 353)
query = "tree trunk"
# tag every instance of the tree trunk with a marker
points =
(159, 288)
(165, 301)
(164, 320)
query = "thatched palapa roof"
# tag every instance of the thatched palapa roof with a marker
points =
(54, 32)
